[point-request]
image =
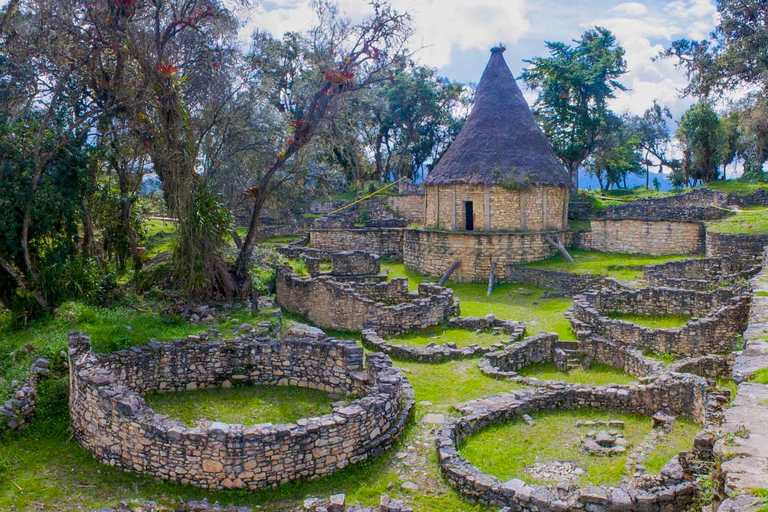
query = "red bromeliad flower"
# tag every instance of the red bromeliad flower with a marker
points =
(167, 70)
(290, 141)
(297, 123)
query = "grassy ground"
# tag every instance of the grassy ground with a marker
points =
(736, 186)
(441, 336)
(247, 405)
(652, 321)
(752, 220)
(598, 374)
(509, 301)
(506, 449)
(598, 263)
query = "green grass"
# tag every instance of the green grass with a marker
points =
(506, 449)
(160, 235)
(598, 374)
(679, 440)
(279, 240)
(451, 382)
(763, 495)
(247, 405)
(751, 220)
(652, 321)
(508, 301)
(736, 186)
(441, 336)
(760, 376)
(598, 263)
(43, 469)
(664, 357)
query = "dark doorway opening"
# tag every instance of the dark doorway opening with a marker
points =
(469, 216)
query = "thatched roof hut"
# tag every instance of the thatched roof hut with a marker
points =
(501, 154)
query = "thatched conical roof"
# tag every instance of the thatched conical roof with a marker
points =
(500, 142)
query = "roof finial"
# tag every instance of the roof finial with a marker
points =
(499, 48)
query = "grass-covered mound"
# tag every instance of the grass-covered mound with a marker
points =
(624, 267)
(246, 405)
(505, 450)
(442, 335)
(752, 220)
(597, 375)
(652, 321)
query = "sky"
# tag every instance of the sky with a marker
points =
(455, 35)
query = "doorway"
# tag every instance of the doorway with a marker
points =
(469, 216)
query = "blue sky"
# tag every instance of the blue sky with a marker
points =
(455, 35)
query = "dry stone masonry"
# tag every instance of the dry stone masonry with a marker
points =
(354, 305)
(112, 421)
(699, 273)
(719, 318)
(670, 490)
(642, 236)
(508, 331)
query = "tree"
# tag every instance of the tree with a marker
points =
(335, 59)
(616, 154)
(653, 137)
(574, 84)
(699, 134)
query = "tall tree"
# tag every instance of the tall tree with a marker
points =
(574, 83)
(699, 133)
(334, 60)
(617, 153)
(653, 137)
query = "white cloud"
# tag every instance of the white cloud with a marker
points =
(630, 9)
(440, 25)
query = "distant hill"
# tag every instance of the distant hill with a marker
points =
(587, 181)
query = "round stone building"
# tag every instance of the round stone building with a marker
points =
(498, 192)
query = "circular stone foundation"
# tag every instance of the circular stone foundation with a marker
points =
(720, 316)
(508, 331)
(669, 491)
(112, 421)
(545, 347)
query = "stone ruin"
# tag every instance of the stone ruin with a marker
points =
(509, 332)
(719, 318)
(111, 420)
(672, 489)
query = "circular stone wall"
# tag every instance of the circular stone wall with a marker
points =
(509, 332)
(111, 419)
(720, 317)
(670, 491)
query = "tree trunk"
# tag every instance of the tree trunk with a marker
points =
(22, 282)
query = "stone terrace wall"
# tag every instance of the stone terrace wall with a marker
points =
(670, 491)
(431, 252)
(112, 421)
(386, 242)
(634, 236)
(698, 273)
(352, 306)
(410, 207)
(723, 315)
(569, 283)
(743, 448)
(651, 209)
(747, 248)
(355, 263)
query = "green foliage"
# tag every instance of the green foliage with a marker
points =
(597, 375)
(760, 376)
(616, 153)
(442, 335)
(652, 321)
(699, 131)
(200, 239)
(749, 221)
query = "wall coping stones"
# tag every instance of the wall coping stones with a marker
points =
(679, 394)
(719, 317)
(111, 419)
(699, 273)
(569, 283)
(438, 353)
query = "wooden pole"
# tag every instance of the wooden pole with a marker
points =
(448, 272)
(559, 246)
(491, 279)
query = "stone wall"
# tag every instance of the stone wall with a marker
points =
(719, 317)
(509, 332)
(747, 248)
(410, 206)
(17, 412)
(670, 491)
(386, 242)
(112, 421)
(650, 209)
(570, 283)
(496, 208)
(699, 273)
(354, 263)
(354, 305)
(324, 207)
(634, 236)
(431, 252)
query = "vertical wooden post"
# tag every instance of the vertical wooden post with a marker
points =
(543, 208)
(522, 209)
(437, 206)
(487, 207)
(454, 208)
(565, 209)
